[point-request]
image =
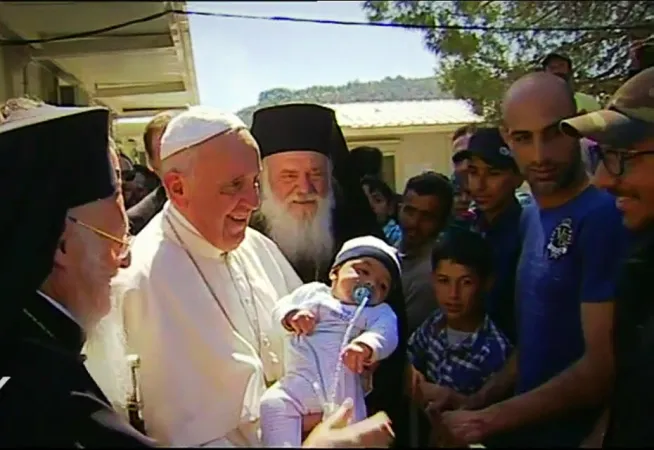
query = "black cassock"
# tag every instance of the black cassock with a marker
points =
(142, 213)
(309, 127)
(50, 399)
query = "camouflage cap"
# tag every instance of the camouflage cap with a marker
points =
(628, 118)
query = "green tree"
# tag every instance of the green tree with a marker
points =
(386, 90)
(479, 65)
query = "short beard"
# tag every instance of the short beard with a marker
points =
(106, 352)
(565, 179)
(299, 240)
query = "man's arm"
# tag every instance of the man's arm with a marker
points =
(585, 383)
(498, 387)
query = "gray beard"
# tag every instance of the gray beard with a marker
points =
(300, 241)
(106, 353)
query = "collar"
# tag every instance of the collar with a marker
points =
(59, 306)
(45, 319)
(191, 238)
(418, 254)
(507, 216)
(469, 342)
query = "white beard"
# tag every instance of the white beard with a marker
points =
(106, 353)
(300, 240)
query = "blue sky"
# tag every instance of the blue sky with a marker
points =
(235, 59)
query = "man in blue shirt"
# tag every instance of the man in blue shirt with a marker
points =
(493, 178)
(565, 285)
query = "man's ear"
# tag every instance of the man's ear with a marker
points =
(333, 274)
(175, 187)
(504, 131)
(61, 256)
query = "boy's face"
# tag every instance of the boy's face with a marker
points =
(360, 271)
(457, 289)
(378, 203)
(491, 188)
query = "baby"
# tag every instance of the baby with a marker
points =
(317, 317)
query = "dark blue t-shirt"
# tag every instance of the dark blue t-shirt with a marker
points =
(504, 238)
(570, 255)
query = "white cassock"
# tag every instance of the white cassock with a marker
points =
(203, 368)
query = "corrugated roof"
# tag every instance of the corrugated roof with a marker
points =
(400, 114)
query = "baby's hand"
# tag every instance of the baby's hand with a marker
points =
(300, 322)
(356, 356)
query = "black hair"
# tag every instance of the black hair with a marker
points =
(378, 185)
(434, 184)
(462, 131)
(465, 247)
(556, 56)
(366, 161)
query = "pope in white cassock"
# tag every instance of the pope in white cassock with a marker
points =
(197, 297)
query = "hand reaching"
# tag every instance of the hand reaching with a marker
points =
(463, 427)
(356, 356)
(334, 431)
(437, 399)
(301, 322)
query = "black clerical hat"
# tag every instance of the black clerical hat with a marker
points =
(294, 126)
(53, 159)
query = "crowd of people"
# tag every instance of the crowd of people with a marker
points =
(277, 292)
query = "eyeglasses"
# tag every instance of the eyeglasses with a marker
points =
(616, 161)
(125, 243)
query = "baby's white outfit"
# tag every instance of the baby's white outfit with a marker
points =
(311, 361)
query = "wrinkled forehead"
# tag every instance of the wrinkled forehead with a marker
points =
(299, 160)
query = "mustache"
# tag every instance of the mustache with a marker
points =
(545, 165)
(301, 198)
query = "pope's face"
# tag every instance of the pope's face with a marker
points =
(220, 190)
(299, 179)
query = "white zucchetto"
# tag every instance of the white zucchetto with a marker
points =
(196, 125)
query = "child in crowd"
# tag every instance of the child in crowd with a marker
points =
(458, 347)
(463, 215)
(382, 201)
(316, 317)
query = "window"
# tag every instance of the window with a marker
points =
(388, 170)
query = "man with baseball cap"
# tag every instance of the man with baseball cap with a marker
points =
(561, 65)
(625, 134)
(493, 178)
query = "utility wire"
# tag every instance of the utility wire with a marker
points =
(99, 31)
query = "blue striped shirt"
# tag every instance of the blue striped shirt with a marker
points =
(464, 367)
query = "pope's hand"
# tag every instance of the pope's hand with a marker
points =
(334, 431)
(466, 427)
(301, 322)
(356, 357)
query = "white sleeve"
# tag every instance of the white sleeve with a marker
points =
(382, 334)
(301, 298)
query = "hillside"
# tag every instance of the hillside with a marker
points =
(386, 90)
